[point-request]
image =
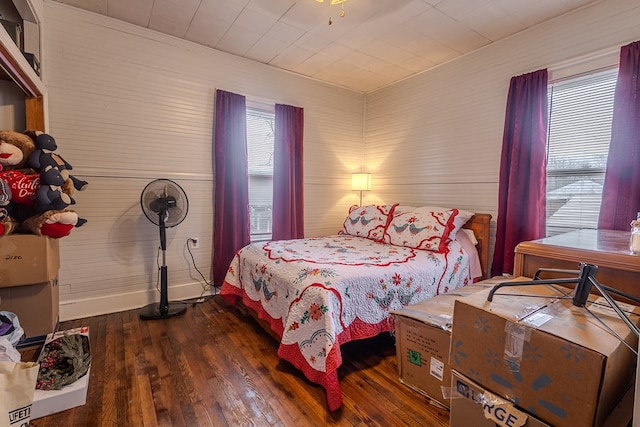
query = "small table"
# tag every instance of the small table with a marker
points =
(608, 249)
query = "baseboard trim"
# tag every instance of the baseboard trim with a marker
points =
(79, 309)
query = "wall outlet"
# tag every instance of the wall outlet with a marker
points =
(195, 242)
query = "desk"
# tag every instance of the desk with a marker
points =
(608, 249)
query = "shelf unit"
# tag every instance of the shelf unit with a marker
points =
(16, 68)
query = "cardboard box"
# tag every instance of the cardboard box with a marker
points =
(54, 401)
(26, 259)
(423, 339)
(37, 307)
(532, 346)
(472, 405)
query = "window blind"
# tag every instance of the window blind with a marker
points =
(580, 115)
(260, 140)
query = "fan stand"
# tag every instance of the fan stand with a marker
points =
(164, 309)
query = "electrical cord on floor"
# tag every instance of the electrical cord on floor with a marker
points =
(206, 287)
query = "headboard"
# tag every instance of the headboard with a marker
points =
(480, 224)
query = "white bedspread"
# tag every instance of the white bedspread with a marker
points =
(320, 292)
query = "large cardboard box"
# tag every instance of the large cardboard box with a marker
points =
(532, 346)
(37, 307)
(53, 401)
(423, 338)
(473, 405)
(26, 259)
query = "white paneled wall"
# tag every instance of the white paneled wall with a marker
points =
(128, 105)
(436, 138)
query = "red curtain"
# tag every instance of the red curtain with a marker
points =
(288, 200)
(621, 191)
(522, 188)
(231, 226)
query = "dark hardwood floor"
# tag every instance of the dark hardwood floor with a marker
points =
(214, 366)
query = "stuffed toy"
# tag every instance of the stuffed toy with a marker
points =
(15, 149)
(44, 155)
(32, 201)
(54, 223)
(43, 191)
(23, 186)
(5, 199)
(49, 195)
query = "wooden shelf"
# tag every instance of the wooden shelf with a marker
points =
(16, 68)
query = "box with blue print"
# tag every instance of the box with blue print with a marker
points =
(566, 365)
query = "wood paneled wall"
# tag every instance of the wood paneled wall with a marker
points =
(436, 138)
(128, 105)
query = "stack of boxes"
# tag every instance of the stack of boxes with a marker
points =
(527, 358)
(29, 267)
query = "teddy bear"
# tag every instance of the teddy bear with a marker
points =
(15, 149)
(33, 200)
(44, 155)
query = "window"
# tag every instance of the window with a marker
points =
(580, 114)
(260, 139)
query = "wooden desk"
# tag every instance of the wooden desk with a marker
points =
(609, 250)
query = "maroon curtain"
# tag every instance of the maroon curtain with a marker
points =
(231, 227)
(522, 188)
(288, 206)
(621, 191)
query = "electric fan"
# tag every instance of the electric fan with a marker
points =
(165, 204)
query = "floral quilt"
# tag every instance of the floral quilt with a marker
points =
(318, 293)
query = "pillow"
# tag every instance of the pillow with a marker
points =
(468, 241)
(423, 228)
(469, 235)
(368, 221)
(460, 219)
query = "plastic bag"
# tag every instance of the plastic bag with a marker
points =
(8, 352)
(14, 331)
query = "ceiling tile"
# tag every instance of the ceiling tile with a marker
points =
(97, 6)
(266, 49)
(376, 43)
(238, 40)
(291, 57)
(207, 30)
(137, 13)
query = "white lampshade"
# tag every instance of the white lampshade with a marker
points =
(361, 181)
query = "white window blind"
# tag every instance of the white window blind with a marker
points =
(260, 138)
(580, 114)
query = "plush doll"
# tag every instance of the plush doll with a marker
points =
(44, 155)
(5, 199)
(15, 149)
(49, 195)
(23, 186)
(54, 223)
(35, 202)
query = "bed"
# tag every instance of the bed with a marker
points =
(315, 294)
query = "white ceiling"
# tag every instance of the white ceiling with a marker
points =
(376, 43)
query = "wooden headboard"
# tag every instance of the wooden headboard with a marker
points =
(480, 224)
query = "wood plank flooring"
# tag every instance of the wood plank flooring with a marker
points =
(214, 366)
